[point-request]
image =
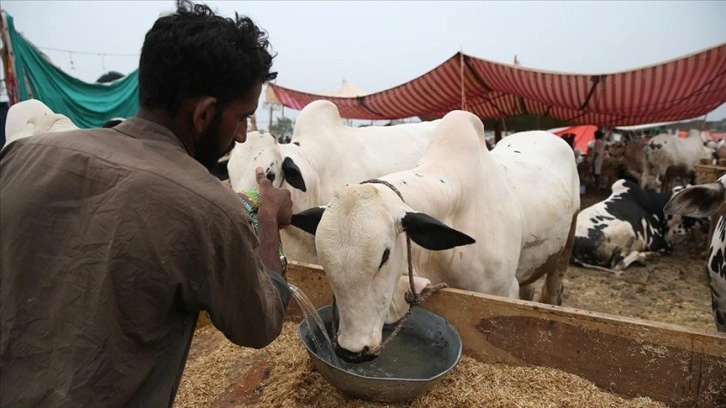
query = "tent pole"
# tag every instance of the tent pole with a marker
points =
(461, 80)
(269, 126)
(703, 122)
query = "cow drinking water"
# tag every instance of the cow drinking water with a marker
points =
(493, 222)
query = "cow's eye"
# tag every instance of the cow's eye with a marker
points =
(386, 254)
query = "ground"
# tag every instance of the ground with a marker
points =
(671, 288)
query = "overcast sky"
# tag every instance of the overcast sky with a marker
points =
(377, 45)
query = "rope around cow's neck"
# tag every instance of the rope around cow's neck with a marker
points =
(412, 298)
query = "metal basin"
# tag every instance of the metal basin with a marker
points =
(425, 349)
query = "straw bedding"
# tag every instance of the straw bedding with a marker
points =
(220, 374)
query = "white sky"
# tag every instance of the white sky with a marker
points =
(377, 45)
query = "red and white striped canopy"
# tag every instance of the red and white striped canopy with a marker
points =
(683, 88)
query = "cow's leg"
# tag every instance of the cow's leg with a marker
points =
(662, 182)
(644, 177)
(526, 292)
(552, 288)
(635, 256)
(717, 282)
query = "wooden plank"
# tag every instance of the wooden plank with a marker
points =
(669, 363)
(630, 357)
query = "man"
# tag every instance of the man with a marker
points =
(114, 239)
(598, 151)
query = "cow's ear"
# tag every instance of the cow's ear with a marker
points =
(309, 219)
(431, 233)
(220, 171)
(699, 201)
(292, 174)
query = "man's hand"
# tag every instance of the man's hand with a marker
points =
(275, 203)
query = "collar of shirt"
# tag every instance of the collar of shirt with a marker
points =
(146, 130)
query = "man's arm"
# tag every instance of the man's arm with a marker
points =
(250, 306)
(275, 212)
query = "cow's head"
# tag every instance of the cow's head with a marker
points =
(685, 213)
(262, 150)
(679, 228)
(361, 244)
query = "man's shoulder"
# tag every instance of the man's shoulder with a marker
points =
(197, 189)
(152, 171)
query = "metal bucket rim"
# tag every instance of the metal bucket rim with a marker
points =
(453, 364)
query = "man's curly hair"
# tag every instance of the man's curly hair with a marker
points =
(195, 52)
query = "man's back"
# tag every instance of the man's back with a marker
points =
(107, 239)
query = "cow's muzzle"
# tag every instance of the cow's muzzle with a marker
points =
(355, 357)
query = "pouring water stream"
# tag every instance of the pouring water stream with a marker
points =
(319, 333)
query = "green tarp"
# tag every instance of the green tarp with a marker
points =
(86, 104)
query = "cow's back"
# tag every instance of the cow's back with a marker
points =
(330, 154)
(665, 150)
(542, 174)
(459, 183)
(335, 154)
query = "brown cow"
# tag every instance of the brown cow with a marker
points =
(629, 159)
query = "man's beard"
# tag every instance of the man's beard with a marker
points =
(206, 149)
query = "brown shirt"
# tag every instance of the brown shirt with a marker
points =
(112, 241)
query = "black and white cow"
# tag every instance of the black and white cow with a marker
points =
(628, 226)
(703, 201)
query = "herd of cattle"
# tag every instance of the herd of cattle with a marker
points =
(504, 221)
(658, 162)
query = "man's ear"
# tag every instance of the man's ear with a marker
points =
(203, 115)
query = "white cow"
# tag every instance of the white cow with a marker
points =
(703, 201)
(516, 207)
(31, 117)
(668, 154)
(323, 155)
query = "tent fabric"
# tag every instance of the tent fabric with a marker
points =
(347, 90)
(86, 104)
(683, 88)
(584, 134)
(270, 96)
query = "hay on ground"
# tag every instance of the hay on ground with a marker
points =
(283, 375)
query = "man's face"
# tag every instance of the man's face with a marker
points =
(229, 126)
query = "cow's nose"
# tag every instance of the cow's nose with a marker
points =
(355, 357)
